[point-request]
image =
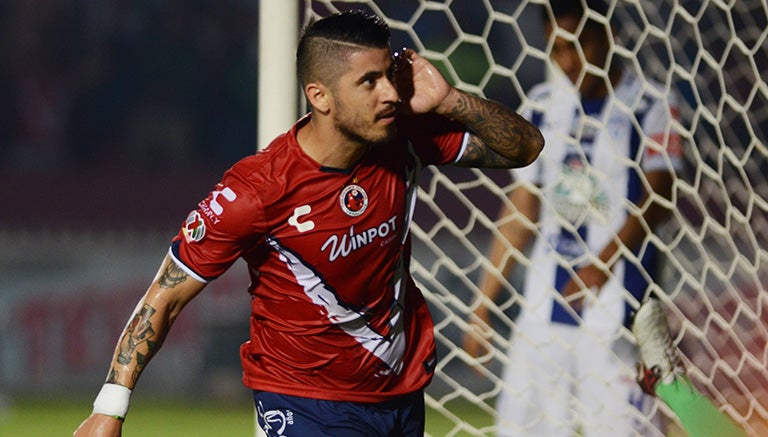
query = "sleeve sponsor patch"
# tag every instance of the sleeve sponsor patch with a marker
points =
(194, 227)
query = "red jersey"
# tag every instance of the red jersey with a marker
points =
(334, 312)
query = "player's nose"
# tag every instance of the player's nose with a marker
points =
(389, 93)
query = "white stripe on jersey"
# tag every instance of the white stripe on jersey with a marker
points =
(389, 349)
(411, 186)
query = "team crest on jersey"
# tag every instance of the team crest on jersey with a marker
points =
(353, 200)
(578, 195)
(194, 227)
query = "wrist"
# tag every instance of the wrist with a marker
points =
(447, 107)
(482, 314)
(113, 400)
(480, 319)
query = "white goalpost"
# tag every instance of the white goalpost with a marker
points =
(278, 85)
(714, 53)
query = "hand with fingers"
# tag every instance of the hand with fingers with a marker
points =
(421, 86)
(588, 280)
(477, 340)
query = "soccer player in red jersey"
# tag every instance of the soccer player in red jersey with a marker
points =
(341, 340)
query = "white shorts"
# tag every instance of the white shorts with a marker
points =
(563, 380)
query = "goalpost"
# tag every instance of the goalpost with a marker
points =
(713, 53)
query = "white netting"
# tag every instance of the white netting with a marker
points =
(714, 53)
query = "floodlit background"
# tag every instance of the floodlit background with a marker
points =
(118, 116)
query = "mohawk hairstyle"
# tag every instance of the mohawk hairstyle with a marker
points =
(325, 43)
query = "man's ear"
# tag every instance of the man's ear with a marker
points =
(319, 96)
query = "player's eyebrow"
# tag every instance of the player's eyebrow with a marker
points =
(376, 74)
(373, 74)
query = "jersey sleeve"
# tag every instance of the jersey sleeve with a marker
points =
(437, 140)
(226, 223)
(664, 142)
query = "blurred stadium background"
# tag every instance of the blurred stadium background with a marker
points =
(118, 116)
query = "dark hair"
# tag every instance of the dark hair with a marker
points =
(572, 8)
(325, 43)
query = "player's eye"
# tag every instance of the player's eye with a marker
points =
(368, 80)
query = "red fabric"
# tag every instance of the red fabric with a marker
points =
(335, 314)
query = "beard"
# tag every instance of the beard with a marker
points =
(358, 134)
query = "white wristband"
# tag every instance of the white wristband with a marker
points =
(113, 400)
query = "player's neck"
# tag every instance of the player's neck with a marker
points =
(328, 146)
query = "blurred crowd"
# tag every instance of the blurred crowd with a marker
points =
(145, 84)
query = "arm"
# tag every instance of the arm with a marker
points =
(140, 340)
(517, 232)
(630, 236)
(500, 138)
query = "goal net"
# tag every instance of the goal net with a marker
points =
(714, 54)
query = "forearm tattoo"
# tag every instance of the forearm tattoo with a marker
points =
(112, 377)
(139, 342)
(504, 138)
(478, 154)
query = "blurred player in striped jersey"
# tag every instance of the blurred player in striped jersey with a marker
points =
(341, 340)
(609, 146)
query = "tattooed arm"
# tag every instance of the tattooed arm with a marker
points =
(170, 291)
(501, 138)
(141, 338)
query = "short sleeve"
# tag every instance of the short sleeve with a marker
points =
(225, 224)
(437, 140)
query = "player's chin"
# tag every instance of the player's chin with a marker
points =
(386, 134)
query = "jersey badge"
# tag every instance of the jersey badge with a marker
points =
(353, 200)
(194, 227)
(578, 194)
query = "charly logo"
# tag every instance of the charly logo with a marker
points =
(353, 200)
(194, 227)
(274, 422)
(303, 226)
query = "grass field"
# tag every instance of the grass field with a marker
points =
(59, 417)
(43, 418)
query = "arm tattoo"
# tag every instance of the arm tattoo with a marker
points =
(503, 137)
(112, 377)
(139, 340)
(477, 154)
(172, 276)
